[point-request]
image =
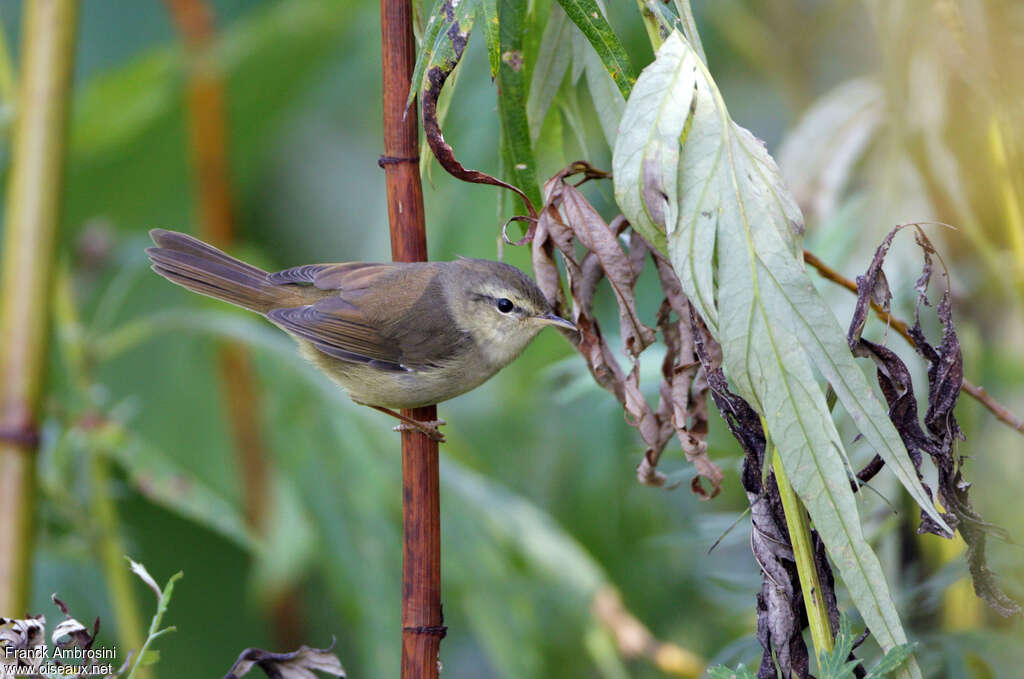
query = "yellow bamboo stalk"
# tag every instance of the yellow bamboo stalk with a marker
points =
(30, 224)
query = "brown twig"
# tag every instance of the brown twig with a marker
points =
(900, 326)
(30, 228)
(422, 623)
(635, 640)
(195, 22)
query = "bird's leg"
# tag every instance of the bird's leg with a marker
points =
(430, 428)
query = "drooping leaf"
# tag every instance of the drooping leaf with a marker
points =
(515, 129)
(683, 167)
(568, 218)
(295, 665)
(165, 483)
(819, 155)
(608, 100)
(70, 633)
(444, 40)
(143, 574)
(587, 16)
(553, 58)
(489, 14)
(433, 68)
(536, 535)
(941, 432)
(443, 105)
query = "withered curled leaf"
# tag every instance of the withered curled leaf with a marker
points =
(451, 35)
(568, 220)
(298, 664)
(940, 434)
(70, 633)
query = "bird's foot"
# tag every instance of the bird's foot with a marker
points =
(427, 427)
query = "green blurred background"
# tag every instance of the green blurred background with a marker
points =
(540, 505)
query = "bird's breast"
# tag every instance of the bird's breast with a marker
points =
(413, 388)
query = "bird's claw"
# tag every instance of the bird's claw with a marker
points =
(428, 428)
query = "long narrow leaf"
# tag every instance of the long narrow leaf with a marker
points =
(444, 40)
(515, 129)
(590, 20)
(553, 59)
(489, 9)
(608, 100)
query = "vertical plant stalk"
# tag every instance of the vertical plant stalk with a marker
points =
(195, 23)
(8, 84)
(1008, 193)
(803, 551)
(105, 520)
(422, 623)
(30, 225)
(120, 587)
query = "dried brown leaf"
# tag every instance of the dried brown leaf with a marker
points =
(599, 239)
(939, 436)
(443, 151)
(567, 218)
(298, 664)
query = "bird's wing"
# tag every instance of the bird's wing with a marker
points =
(359, 320)
(340, 329)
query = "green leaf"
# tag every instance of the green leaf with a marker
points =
(608, 100)
(590, 20)
(522, 169)
(290, 541)
(163, 482)
(491, 33)
(683, 167)
(553, 59)
(818, 157)
(836, 665)
(149, 658)
(545, 545)
(444, 39)
(723, 672)
(569, 106)
(893, 659)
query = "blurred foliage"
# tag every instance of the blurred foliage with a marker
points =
(541, 508)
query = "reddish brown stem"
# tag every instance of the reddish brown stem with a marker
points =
(422, 626)
(207, 131)
(900, 326)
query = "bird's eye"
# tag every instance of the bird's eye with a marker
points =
(505, 305)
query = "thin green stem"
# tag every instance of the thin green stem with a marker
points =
(154, 627)
(651, 23)
(798, 524)
(111, 548)
(103, 509)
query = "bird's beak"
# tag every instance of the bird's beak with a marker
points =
(557, 321)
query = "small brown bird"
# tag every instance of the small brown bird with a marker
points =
(395, 335)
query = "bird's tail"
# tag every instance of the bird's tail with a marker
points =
(202, 268)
